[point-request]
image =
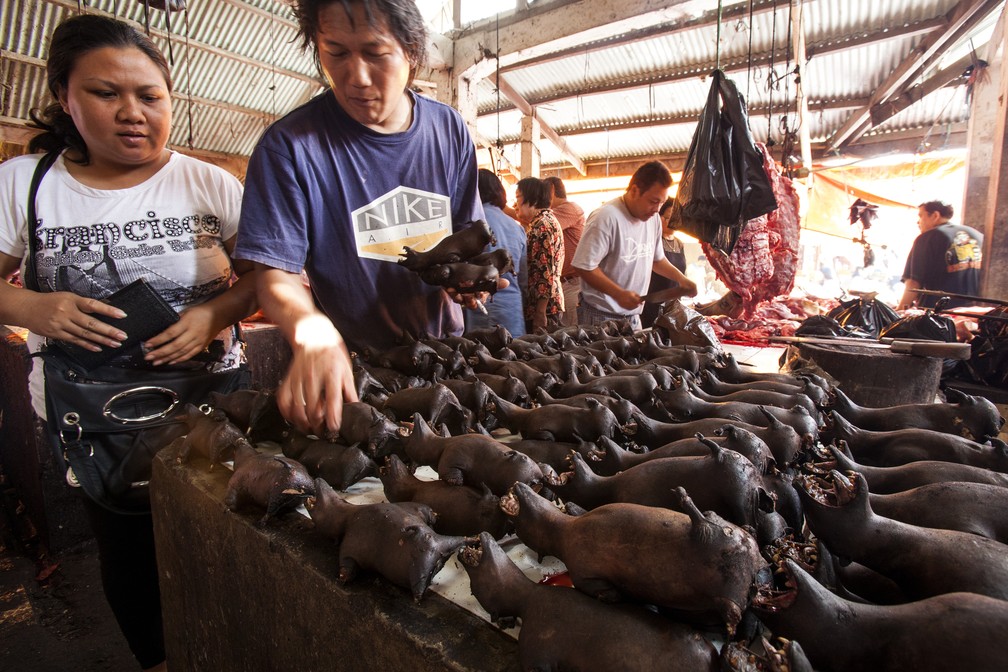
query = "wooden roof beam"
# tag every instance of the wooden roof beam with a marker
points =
(508, 92)
(889, 109)
(691, 118)
(689, 71)
(549, 27)
(962, 18)
(708, 18)
(202, 46)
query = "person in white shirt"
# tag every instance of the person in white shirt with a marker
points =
(621, 246)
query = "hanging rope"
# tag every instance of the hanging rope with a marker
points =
(748, 71)
(788, 135)
(770, 78)
(272, 86)
(189, 110)
(500, 143)
(167, 13)
(717, 57)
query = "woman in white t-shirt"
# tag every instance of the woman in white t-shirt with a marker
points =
(116, 206)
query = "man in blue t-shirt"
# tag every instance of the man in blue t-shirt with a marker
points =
(338, 187)
(945, 257)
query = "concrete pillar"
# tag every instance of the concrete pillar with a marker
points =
(530, 138)
(994, 277)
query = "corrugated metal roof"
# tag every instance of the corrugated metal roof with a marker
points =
(242, 67)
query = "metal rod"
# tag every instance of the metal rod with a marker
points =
(932, 292)
(999, 318)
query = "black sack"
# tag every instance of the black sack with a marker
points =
(867, 314)
(723, 183)
(823, 325)
(929, 326)
(107, 424)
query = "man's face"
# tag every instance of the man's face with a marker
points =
(645, 204)
(366, 67)
(927, 220)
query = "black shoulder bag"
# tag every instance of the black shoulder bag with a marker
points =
(107, 422)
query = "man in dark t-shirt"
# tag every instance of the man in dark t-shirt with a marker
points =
(945, 257)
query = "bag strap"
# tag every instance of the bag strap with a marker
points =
(30, 279)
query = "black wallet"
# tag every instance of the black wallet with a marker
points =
(147, 315)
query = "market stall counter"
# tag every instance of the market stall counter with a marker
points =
(237, 596)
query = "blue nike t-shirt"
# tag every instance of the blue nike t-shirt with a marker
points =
(329, 195)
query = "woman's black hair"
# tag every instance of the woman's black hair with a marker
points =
(666, 205)
(72, 39)
(535, 192)
(490, 188)
(941, 207)
(401, 16)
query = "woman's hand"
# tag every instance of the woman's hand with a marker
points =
(319, 380)
(185, 339)
(75, 319)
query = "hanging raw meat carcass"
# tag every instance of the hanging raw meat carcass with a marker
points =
(763, 264)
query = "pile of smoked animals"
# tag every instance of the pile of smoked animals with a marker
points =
(689, 499)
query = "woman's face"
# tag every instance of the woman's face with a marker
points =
(666, 219)
(526, 212)
(119, 100)
(366, 66)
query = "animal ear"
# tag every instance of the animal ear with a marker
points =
(766, 501)
(955, 396)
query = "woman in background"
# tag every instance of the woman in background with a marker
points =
(675, 253)
(117, 206)
(505, 308)
(544, 303)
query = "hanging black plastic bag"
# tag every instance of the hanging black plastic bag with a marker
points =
(723, 183)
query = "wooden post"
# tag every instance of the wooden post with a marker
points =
(530, 147)
(994, 276)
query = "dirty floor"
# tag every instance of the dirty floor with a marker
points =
(53, 615)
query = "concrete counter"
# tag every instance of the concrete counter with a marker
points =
(239, 597)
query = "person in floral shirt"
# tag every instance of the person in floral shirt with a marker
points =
(544, 302)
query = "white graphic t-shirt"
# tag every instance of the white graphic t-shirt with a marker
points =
(623, 247)
(169, 230)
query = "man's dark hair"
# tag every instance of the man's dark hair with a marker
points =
(559, 190)
(534, 191)
(941, 207)
(401, 16)
(490, 188)
(650, 174)
(73, 39)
